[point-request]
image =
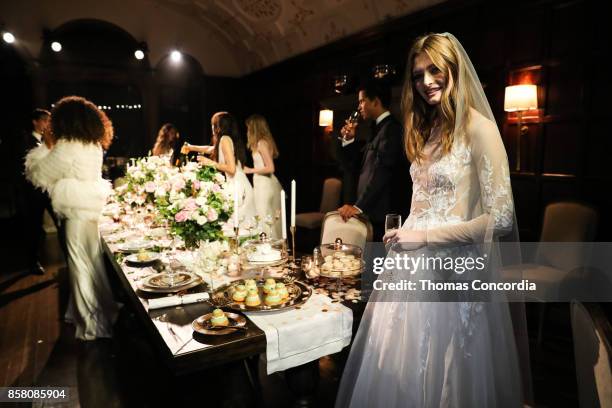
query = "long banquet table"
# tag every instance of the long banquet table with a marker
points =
(182, 350)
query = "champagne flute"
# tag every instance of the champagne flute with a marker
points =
(351, 121)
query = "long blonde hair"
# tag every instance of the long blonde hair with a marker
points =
(258, 129)
(419, 116)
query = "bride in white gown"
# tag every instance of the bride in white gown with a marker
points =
(265, 184)
(70, 170)
(230, 151)
(408, 353)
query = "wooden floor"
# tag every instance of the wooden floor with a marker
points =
(37, 348)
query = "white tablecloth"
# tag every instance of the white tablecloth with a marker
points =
(299, 336)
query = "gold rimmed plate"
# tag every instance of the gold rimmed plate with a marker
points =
(202, 324)
(158, 283)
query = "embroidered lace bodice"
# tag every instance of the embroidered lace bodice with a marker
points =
(465, 195)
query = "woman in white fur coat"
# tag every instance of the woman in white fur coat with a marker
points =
(69, 167)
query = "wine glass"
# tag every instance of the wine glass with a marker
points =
(392, 222)
(269, 221)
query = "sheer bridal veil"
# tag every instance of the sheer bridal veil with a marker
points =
(502, 244)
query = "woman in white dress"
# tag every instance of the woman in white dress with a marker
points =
(166, 140)
(69, 167)
(230, 152)
(265, 184)
(412, 353)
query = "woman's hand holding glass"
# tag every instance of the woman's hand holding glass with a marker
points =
(405, 239)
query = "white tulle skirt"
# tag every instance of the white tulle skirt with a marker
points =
(413, 354)
(267, 200)
(91, 308)
(246, 201)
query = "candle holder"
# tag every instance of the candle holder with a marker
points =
(292, 229)
(234, 242)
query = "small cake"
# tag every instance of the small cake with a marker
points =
(252, 298)
(219, 318)
(269, 286)
(250, 283)
(240, 293)
(143, 256)
(264, 253)
(282, 290)
(273, 298)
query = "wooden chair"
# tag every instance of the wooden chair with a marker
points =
(330, 201)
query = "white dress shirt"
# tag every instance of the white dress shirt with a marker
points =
(378, 120)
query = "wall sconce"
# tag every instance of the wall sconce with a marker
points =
(326, 118)
(519, 98)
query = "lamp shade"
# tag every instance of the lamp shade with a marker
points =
(326, 117)
(521, 97)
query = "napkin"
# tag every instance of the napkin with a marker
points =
(176, 300)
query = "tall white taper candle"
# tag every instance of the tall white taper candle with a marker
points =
(235, 207)
(293, 203)
(283, 215)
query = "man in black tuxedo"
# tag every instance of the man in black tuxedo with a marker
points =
(34, 200)
(384, 179)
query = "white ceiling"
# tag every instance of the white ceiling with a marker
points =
(227, 37)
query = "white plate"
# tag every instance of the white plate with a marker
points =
(133, 246)
(134, 258)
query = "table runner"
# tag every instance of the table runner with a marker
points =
(299, 336)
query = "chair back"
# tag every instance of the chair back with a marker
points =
(592, 350)
(330, 199)
(566, 222)
(356, 231)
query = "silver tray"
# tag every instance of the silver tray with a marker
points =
(199, 325)
(299, 293)
(145, 285)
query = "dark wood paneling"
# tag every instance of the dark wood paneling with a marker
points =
(562, 147)
(599, 146)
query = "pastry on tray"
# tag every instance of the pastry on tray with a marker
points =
(273, 298)
(269, 285)
(282, 290)
(240, 293)
(253, 298)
